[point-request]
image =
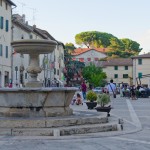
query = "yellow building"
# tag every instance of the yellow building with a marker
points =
(118, 69)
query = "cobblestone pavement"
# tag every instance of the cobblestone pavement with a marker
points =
(135, 134)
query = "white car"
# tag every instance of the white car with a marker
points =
(98, 90)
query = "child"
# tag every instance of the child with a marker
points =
(79, 99)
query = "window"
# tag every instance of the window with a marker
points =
(81, 59)
(115, 67)
(26, 75)
(1, 22)
(140, 75)
(115, 75)
(126, 67)
(6, 6)
(140, 61)
(57, 72)
(62, 56)
(7, 26)
(1, 2)
(125, 75)
(6, 54)
(31, 36)
(89, 59)
(1, 50)
(54, 70)
(96, 59)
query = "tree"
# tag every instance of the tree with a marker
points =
(71, 67)
(93, 39)
(131, 46)
(124, 48)
(69, 47)
(94, 75)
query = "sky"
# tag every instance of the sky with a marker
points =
(63, 19)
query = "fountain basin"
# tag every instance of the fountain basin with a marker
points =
(34, 46)
(36, 102)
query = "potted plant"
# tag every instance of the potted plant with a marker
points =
(103, 100)
(91, 99)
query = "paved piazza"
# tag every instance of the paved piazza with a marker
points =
(135, 134)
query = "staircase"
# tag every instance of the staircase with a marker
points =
(55, 126)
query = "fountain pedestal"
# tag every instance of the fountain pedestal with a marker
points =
(33, 70)
(34, 48)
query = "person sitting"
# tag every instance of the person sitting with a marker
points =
(132, 91)
(141, 89)
(79, 99)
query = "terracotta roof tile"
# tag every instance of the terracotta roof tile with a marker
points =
(117, 62)
(79, 51)
(142, 56)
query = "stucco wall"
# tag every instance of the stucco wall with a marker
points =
(110, 72)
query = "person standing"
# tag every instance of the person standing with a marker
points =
(111, 89)
(83, 88)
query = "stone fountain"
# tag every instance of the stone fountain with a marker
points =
(38, 111)
(34, 100)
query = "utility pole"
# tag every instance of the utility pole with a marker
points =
(22, 4)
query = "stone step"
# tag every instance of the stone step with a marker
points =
(52, 122)
(83, 129)
(60, 131)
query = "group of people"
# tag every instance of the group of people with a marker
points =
(80, 95)
(130, 91)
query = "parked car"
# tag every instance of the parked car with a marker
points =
(98, 90)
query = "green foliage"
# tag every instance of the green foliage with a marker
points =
(93, 74)
(71, 66)
(69, 47)
(131, 46)
(124, 48)
(91, 96)
(93, 39)
(103, 99)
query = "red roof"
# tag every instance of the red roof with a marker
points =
(79, 51)
(117, 62)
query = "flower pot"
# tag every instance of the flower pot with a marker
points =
(91, 105)
(104, 109)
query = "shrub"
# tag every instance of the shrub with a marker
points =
(91, 96)
(103, 99)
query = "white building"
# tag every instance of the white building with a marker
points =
(5, 41)
(88, 55)
(51, 63)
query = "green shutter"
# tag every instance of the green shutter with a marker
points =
(139, 75)
(7, 25)
(6, 51)
(1, 22)
(1, 50)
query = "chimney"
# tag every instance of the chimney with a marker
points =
(34, 26)
(23, 18)
(26, 22)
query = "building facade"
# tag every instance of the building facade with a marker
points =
(141, 71)
(51, 63)
(118, 69)
(88, 55)
(5, 41)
